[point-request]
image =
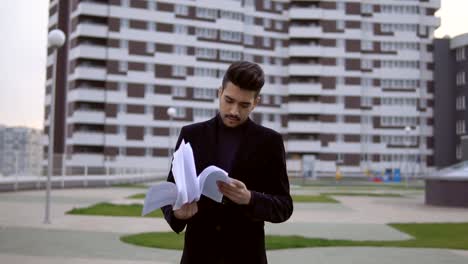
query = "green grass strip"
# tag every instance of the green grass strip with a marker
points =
(108, 209)
(313, 199)
(296, 198)
(363, 194)
(440, 235)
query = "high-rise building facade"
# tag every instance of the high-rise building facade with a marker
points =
(344, 78)
(20, 151)
(451, 93)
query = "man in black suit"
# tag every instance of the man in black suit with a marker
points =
(254, 156)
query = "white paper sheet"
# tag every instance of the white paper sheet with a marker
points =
(207, 182)
(159, 195)
(188, 187)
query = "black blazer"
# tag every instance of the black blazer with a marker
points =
(226, 232)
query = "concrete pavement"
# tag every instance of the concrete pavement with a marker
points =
(95, 239)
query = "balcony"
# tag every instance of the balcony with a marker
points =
(305, 32)
(305, 69)
(87, 116)
(304, 127)
(88, 51)
(303, 146)
(305, 88)
(86, 94)
(304, 107)
(305, 13)
(87, 138)
(90, 73)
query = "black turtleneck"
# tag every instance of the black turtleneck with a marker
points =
(229, 139)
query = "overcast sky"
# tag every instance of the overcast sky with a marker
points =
(23, 27)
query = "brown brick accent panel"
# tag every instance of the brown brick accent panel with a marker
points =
(135, 133)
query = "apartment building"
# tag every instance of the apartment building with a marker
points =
(451, 93)
(344, 78)
(20, 151)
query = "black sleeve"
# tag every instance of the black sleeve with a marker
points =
(275, 206)
(176, 224)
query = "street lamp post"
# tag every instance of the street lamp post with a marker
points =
(171, 112)
(56, 39)
(407, 132)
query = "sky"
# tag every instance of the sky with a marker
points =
(23, 27)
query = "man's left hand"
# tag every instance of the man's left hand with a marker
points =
(236, 191)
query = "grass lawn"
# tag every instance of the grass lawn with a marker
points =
(296, 198)
(130, 185)
(108, 209)
(363, 194)
(313, 199)
(440, 235)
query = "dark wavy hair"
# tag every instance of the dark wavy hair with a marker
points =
(246, 75)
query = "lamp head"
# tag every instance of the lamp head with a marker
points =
(56, 38)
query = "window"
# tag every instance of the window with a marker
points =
(151, 25)
(206, 33)
(124, 44)
(460, 54)
(458, 152)
(339, 157)
(178, 70)
(123, 66)
(148, 91)
(366, 101)
(230, 55)
(179, 91)
(277, 99)
(366, 64)
(180, 29)
(278, 6)
(231, 15)
(249, 20)
(181, 10)
(180, 50)
(461, 78)
(150, 47)
(150, 67)
(231, 36)
(266, 42)
(267, 23)
(203, 113)
(206, 13)
(248, 57)
(125, 3)
(206, 53)
(367, 45)
(366, 26)
(124, 23)
(267, 4)
(278, 25)
(152, 5)
(204, 93)
(366, 8)
(340, 24)
(248, 39)
(180, 112)
(205, 72)
(122, 108)
(122, 87)
(460, 127)
(122, 151)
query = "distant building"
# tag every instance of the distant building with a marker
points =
(451, 93)
(20, 151)
(344, 78)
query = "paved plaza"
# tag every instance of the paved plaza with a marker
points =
(95, 239)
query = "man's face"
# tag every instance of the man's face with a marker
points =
(235, 104)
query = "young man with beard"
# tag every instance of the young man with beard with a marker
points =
(254, 156)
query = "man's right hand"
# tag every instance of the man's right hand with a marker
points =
(186, 211)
